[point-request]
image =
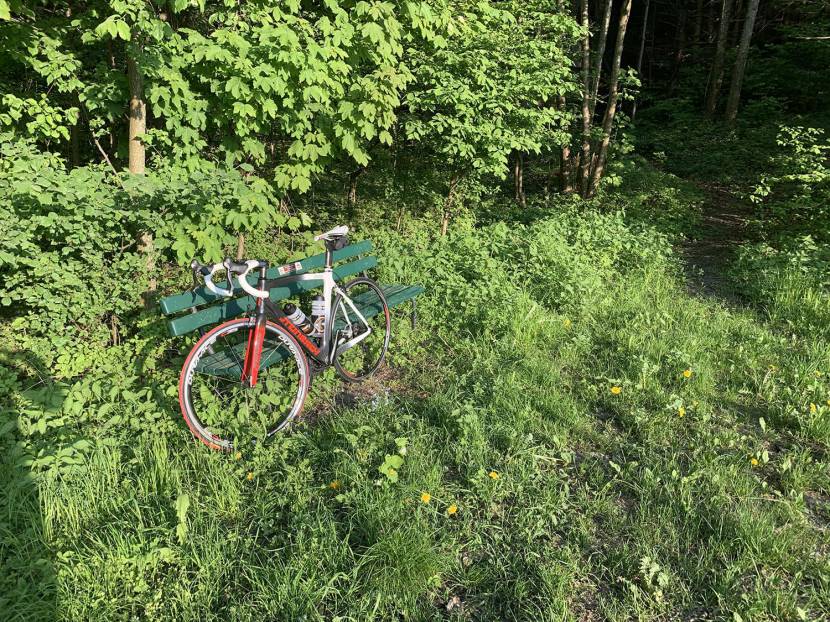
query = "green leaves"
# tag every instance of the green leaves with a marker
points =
(114, 27)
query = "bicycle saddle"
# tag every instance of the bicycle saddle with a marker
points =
(333, 234)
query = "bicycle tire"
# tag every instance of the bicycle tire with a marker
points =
(385, 324)
(208, 346)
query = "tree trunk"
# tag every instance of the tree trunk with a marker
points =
(240, 247)
(445, 217)
(351, 193)
(716, 75)
(585, 165)
(565, 172)
(611, 110)
(138, 125)
(138, 120)
(710, 22)
(518, 179)
(740, 62)
(601, 43)
(75, 143)
(698, 21)
(679, 46)
(640, 59)
(735, 24)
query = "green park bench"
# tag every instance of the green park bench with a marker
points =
(198, 308)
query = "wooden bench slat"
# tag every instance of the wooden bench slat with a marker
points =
(202, 296)
(224, 364)
(237, 306)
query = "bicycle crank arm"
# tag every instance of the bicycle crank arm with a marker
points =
(351, 343)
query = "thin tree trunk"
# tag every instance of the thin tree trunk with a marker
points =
(716, 75)
(698, 21)
(651, 54)
(679, 46)
(601, 43)
(351, 194)
(585, 165)
(735, 24)
(138, 125)
(565, 170)
(740, 62)
(75, 143)
(640, 59)
(240, 247)
(518, 179)
(611, 110)
(138, 119)
(445, 217)
(710, 22)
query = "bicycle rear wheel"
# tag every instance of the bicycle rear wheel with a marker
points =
(361, 360)
(219, 408)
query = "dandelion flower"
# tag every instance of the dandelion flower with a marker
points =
(237, 455)
(819, 374)
(250, 476)
(494, 475)
(566, 323)
(681, 412)
(687, 373)
(615, 390)
(335, 484)
(754, 462)
(452, 509)
(426, 497)
(813, 408)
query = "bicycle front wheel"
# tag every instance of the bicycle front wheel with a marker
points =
(361, 317)
(219, 408)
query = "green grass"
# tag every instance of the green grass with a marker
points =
(572, 502)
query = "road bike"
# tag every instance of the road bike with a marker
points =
(250, 376)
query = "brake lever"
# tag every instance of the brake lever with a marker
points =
(207, 273)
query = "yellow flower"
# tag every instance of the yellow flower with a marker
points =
(250, 476)
(754, 462)
(335, 484)
(616, 390)
(494, 475)
(687, 373)
(828, 402)
(426, 497)
(237, 455)
(819, 374)
(813, 408)
(566, 323)
(452, 509)
(681, 412)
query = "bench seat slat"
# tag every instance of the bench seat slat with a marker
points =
(225, 364)
(227, 310)
(202, 296)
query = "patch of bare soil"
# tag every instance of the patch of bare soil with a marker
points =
(710, 252)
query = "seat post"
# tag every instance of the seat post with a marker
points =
(328, 256)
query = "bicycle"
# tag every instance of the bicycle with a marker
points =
(257, 369)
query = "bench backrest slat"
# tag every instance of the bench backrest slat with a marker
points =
(224, 311)
(202, 296)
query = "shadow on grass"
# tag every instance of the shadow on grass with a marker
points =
(28, 583)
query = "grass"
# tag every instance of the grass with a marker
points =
(676, 498)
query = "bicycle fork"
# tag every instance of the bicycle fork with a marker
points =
(256, 338)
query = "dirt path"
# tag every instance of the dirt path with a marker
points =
(708, 255)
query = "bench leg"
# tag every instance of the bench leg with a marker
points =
(414, 315)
